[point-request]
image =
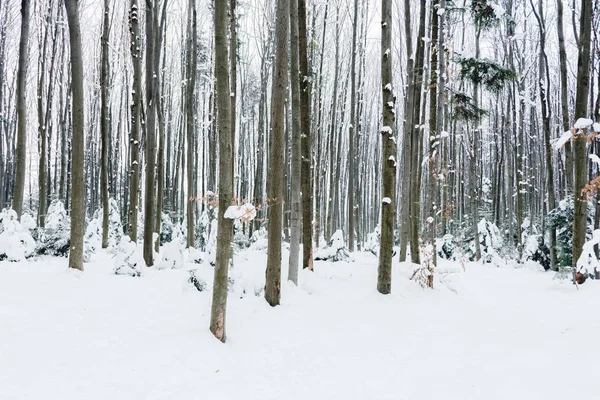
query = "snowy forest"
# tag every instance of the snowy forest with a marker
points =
(169, 169)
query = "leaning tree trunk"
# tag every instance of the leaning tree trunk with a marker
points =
(225, 229)
(276, 157)
(136, 104)
(104, 122)
(580, 139)
(296, 162)
(77, 141)
(388, 160)
(305, 140)
(19, 189)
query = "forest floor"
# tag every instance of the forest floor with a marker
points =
(486, 332)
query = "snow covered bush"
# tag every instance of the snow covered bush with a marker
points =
(447, 247)
(196, 256)
(198, 283)
(201, 231)
(92, 241)
(172, 253)
(54, 239)
(335, 250)
(166, 229)
(561, 219)
(423, 274)
(259, 240)
(373, 241)
(240, 238)
(211, 245)
(128, 259)
(490, 240)
(16, 242)
(536, 250)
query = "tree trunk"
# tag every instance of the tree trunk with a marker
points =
(190, 87)
(296, 162)
(150, 140)
(276, 167)
(225, 229)
(564, 95)
(136, 104)
(305, 140)
(351, 134)
(19, 188)
(104, 121)
(388, 160)
(580, 139)
(77, 141)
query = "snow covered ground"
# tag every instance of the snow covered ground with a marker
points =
(486, 333)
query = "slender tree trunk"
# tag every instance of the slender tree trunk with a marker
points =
(564, 94)
(150, 139)
(136, 104)
(225, 229)
(305, 140)
(388, 160)
(580, 139)
(21, 153)
(296, 162)
(276, 157)
(78, 139)
(351, 133)
(104, 121)
(190, 87)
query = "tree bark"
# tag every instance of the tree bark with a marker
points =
(388, 160)
(190, 87)
(21, 152)
(276, 157)
(580, 139)
(296, 162)
(305, 140)
(104, 121)
(78, 140)
(225, 229)
(136, 104)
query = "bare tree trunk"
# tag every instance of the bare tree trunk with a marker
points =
(191, 83)
(19, 188)
(351, 134)
(296, 162)
(225, 230)
(305, 139)
(276, 167)
(564, 94)
(150, 140)
(388, 160)
(104, 121)
(78, 139)
(136, 104)
(580, 139)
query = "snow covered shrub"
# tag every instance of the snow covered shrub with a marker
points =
(240, 238)
(423, 274)
(536, 250)
(447, 247)
(92, 241)
(172, 253)
(201, 231)
(196, 256)
(335, 250)
(16, 243)
(166, 229)
(259, 240)
(55, 239)
(129, 259)
(490, 240)
(561, 219)
(373, 241)
(198, 283)
(211, 245)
